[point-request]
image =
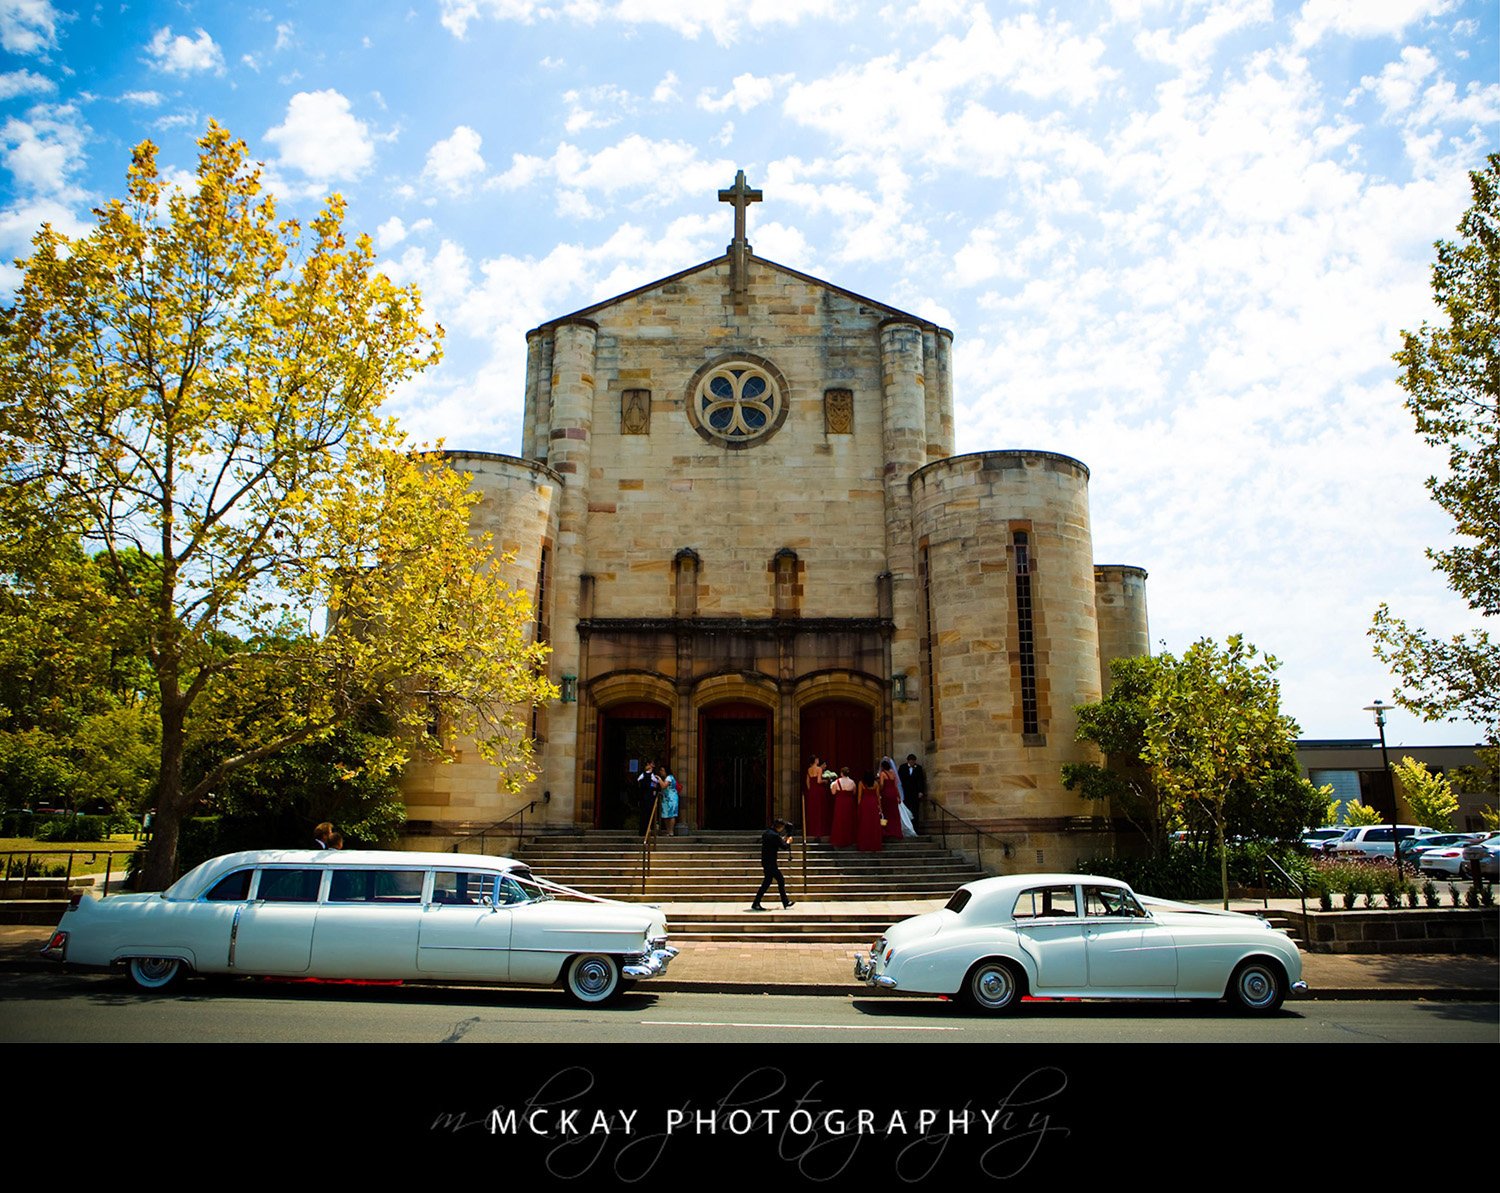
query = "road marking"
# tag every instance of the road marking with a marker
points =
(795, 1026)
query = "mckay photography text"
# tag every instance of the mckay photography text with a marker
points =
(575, 1131)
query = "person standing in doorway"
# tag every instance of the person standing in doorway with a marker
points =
(772, 842)
(666, 783)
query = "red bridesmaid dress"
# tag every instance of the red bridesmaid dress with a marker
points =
(819, 806)
(867, 835)
(890, 806)
(841, 831)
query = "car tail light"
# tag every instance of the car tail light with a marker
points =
(57, 946)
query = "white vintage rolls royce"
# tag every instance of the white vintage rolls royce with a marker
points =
(1076, 936)
(373, 915)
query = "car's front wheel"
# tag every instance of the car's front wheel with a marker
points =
(993, 986)
(156, 974)
(593, 978)
(1257, 987)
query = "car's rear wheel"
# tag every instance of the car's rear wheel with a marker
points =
(993, 986)
(156, 974)
(1258, 987)
(593, 978)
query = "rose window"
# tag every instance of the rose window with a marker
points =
(738, 402)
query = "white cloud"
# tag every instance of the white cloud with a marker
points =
(183, 55)
(661, 169)
(665, 91)
(394, 231)
(455, 163)
(321, 138)
(1399, 83)
(1362, 18)
(285, 35)
(146, 99)
(28, 26)
(24, 82)
(44, 149)
(722, 19)
(747, 92)
(607, 104)
(1191, 50)
(890, 105)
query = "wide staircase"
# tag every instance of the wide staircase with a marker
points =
(711, 877)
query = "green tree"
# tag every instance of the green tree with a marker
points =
(1357, 815)
(1117, 725)
(1215, 728)
(1451, 375)
(1429, 796)
(197, 385)
(1271, 803)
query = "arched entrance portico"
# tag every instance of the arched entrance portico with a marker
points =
(734, 765)
(630, 735)
(841, 733)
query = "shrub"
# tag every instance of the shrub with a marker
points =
(32, 867)
(75, 828)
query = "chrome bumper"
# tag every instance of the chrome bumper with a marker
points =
(649, 965)
(1299, 985)
(864, 971)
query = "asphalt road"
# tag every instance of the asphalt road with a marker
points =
(105, 1009)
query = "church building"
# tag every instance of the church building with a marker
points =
(738, 511)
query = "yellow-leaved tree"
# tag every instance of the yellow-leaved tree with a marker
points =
(195, 387)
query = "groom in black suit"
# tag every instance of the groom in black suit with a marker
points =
(913, 788)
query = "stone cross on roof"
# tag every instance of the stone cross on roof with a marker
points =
(741, 196)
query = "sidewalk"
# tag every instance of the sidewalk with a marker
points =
(828, 969)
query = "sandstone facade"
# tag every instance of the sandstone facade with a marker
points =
(738, 507)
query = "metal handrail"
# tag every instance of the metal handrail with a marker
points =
(518, 832)
(25, 876)
(647, 838)
(1299, 887)
(980, 835)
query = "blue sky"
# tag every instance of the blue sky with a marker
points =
(1176, 239)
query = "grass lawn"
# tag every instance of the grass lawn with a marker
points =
(89, 857)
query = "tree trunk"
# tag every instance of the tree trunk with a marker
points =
(160, 870)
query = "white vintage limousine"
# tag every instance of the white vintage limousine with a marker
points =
(372, 915)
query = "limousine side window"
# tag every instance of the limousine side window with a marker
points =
(231, 888)
(463, 888)
(376, 886)
(1047, 902)
(290, 886)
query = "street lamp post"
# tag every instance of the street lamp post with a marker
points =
(1378, 708)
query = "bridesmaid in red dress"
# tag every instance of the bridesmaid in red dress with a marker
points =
(841, 831)
(819, 801)
(890, 799)
(867, 835)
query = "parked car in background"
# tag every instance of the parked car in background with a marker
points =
(374, 915)
(1076, 936)
(1375, 840)
(1484, 854)
(1412, 848)
(1315, 839)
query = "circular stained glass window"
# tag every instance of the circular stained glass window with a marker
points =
(737, 402)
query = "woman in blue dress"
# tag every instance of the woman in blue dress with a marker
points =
(667, 782)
